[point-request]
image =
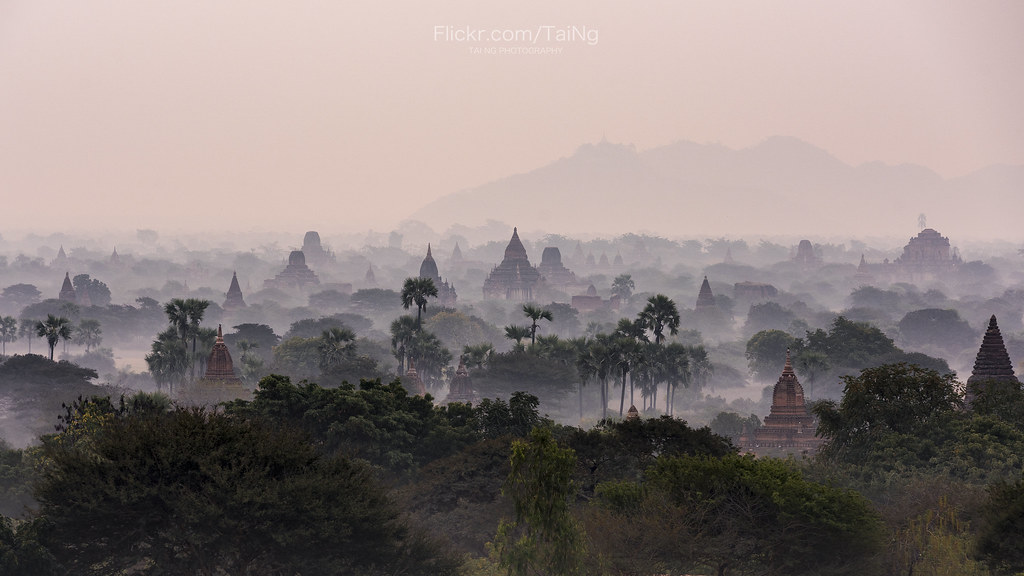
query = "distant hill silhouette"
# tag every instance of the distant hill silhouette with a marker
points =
(781, 186)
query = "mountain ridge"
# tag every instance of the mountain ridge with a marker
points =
(780, 185)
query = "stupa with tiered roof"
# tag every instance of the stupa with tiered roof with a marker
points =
(992, 363)
(234, 299)
(514, 279)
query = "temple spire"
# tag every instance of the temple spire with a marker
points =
(993, 362)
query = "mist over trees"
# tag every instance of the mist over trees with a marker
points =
(346, 383)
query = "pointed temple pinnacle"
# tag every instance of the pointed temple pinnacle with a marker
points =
(428, 249)
(220, 334)
(789, 365)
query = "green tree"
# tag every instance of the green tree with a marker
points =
(660, 313)
(252, 363)
(205, 339)
(762, 516)
(99, 293)
(732, 425)
(27, 328)
(208, 493)
(89, 334)
(936, 327)
(767, 316)
(167, 360)
(336, 345)
(517, 333)
(403, 330)
(543, 538)
(766, 353)
(261, 337)
(8, 332)
(1000, 541)
(186, 315)
(54, 328)
(628, 353)
(376, 300)
(535, 314)
(20, 295)
(416, 291)
(889, 414)
(597, 360)
(477, 355)
(622, 286)
(430, 357)
(21, 554)
(809, 365)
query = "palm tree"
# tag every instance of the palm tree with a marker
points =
(517, 333)
(206, 338)
(336, 345)
(88, 334)
(700, 365)
(430, 357)
(168, 360)
(660, 313)
(597, 361)
(54, 328)
(811, 363)
(402, 332)
(628, 354)
(478, 354)
(534, 314)
(8, 332)
(622, 287)
(185, 315)
(416, 291)
(28, 330)
(252, 363)
(675, 370)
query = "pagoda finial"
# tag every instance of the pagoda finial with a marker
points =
(220, 334)
(789, 365)
(428, 249)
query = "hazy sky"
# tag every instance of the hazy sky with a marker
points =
(339, 115)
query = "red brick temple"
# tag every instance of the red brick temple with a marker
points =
(461, 387)
(790, 424)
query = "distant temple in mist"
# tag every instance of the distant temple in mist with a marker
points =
(927, 256)
(314, 251)
(555, 274)
(295, 275)
(446, 295)
(67, 290)
(234, 300)
(514, 279)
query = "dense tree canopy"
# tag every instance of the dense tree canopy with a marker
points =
(187, 491)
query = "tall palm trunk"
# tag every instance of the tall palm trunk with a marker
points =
(622, 398)
(604, 399)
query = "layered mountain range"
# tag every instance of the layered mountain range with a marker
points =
(782, 186)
